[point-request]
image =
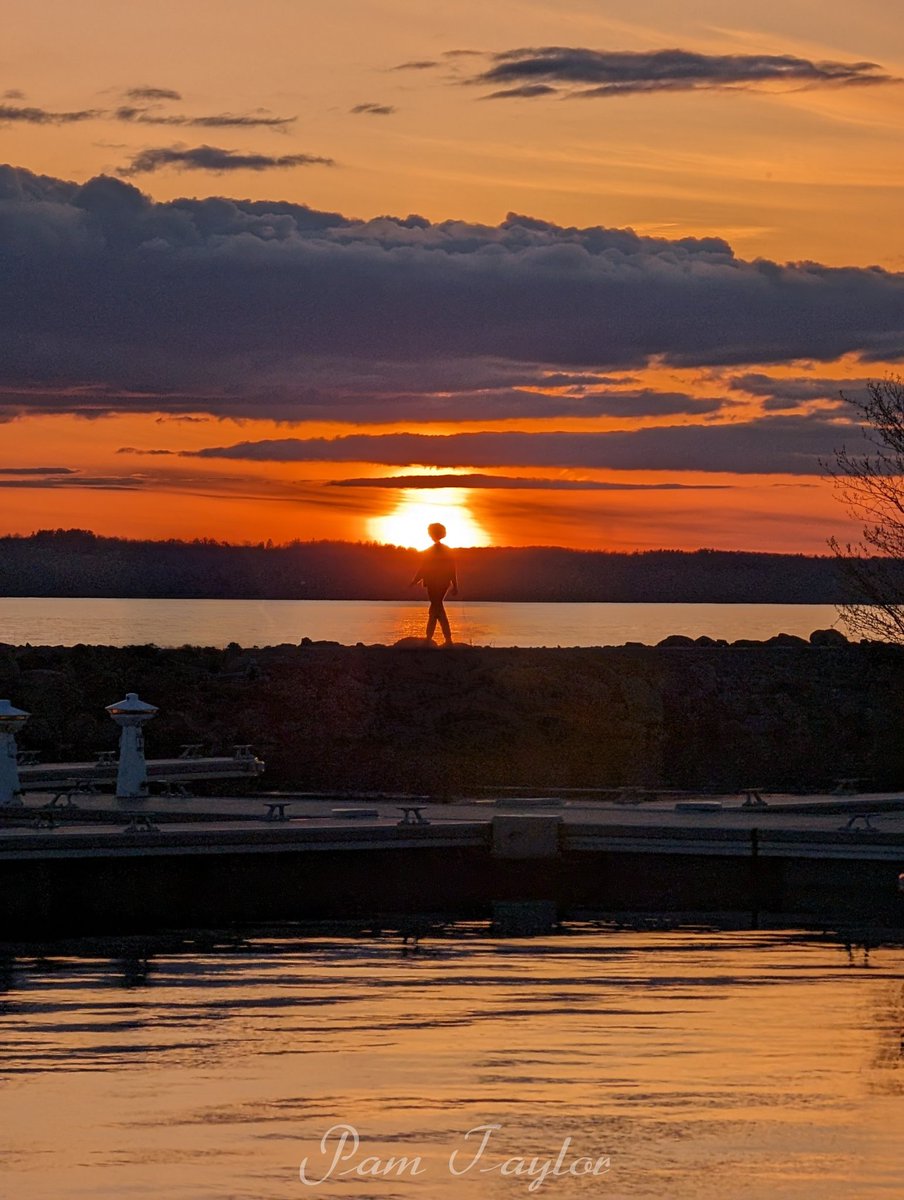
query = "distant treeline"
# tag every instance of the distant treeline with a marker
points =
(74, 562)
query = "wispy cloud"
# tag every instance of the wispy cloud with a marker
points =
(418, 64)
(151, 93)
(12, 114)
(519, 483)
(139, 115)
(216, 159)
(37, 471)
(373, 110)
(578, 71)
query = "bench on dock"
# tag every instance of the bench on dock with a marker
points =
(276, 810)
(139, 822)
(865, 817)
(412, 814)
(753, 797)
(175, 791)
(62, 798)
(850, 786)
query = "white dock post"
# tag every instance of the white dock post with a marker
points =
(130, 715)
(11, 720)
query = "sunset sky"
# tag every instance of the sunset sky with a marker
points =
(584, 273)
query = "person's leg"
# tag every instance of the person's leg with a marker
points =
(443, 622)
(431, 620)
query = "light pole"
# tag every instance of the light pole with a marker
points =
(11, 720)
(130, 715)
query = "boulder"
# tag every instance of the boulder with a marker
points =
(828, 637)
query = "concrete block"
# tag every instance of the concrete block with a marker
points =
(526, 836)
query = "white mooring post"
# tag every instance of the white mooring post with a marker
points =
(130, 714)
(11, 720)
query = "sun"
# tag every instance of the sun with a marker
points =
(407, 524)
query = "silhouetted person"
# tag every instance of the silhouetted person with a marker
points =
(437, 573)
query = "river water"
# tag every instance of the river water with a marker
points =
(702, 1064)
(66, 621)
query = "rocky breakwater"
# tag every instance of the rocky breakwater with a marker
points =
(779, 714)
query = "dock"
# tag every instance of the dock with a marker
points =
(102, 865)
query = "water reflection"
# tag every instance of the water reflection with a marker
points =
(704, 1062)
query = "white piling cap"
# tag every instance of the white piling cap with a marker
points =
(131, 707)
(10, 715)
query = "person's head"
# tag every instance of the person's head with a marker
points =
(437, 531)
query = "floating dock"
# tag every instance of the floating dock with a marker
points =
(113, 866)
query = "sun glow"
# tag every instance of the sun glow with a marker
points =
(407, 524)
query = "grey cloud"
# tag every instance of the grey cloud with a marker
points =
(602, 73)
(216, 159)
(13, 94)
(37, 471)
(374, 110)
(18, 114)
(774, 445)
(790, 392)
(152, 93)
(138, 115)
(266, 308)
(526, 91)
(490, 482)
(105, 483)
(420, 64)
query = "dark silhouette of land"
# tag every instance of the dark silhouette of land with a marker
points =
(75, 562)
(776, 715)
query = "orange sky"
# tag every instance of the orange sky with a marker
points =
(128, 341)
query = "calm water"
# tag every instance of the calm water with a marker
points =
(268, 622)
(705, 1065)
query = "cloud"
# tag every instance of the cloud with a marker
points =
(18, 114)
(773, 445)
(116, 302)
(420, 64)
(139, 115)
(789, 393)
(216, 159)
(113, 483)
(13, 94)
(374, 110)
(519, 483)
(151, 93)
(577, 71)
(37, 471)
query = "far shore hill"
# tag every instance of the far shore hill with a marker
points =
(74, 562)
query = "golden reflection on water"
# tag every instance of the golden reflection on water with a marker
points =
(704, 1064)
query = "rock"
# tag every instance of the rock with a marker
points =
(704, 640)
(413, 643)
(676, 639)
(786, 639)
(828, 637)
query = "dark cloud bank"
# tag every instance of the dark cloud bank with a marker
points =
(260, 308)
(577, 71)
(772, 445)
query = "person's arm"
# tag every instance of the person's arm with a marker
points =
(418, 578)
(454, 590)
